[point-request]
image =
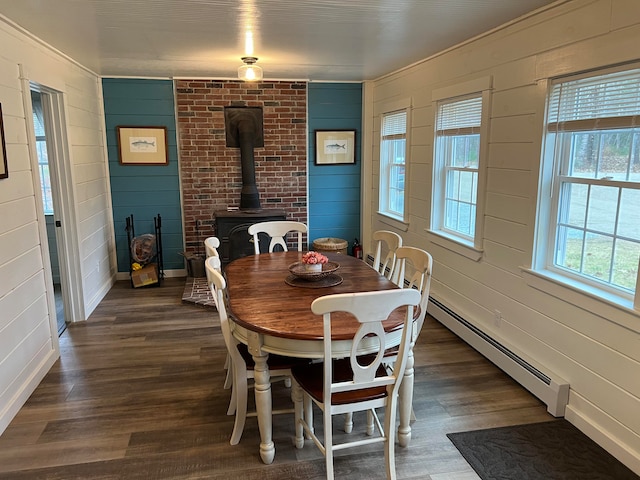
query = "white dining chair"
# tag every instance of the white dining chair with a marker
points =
(211, 245)
(414, 267)
(278, 231)
(413, 270)
(242, 364)
(386, 244)
(357, 383)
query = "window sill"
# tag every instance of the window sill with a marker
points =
(393, 222)
(611, 307)
(455, 245)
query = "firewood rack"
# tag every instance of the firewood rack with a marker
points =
(151, 271)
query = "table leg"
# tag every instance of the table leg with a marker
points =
(405, 399)
(262, 388)
(297, 397)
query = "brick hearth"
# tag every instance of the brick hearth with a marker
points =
(197, 291)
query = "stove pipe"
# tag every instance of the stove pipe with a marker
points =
(243, 127)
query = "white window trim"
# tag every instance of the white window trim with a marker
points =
(470, 249)
(387, 217)
(392, 222)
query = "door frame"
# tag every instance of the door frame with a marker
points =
(53, 107)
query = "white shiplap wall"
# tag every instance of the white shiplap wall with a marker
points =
(594, 347)
(28, 335)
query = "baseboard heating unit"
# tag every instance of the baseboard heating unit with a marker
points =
(551, 390)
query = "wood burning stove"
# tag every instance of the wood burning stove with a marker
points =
(231, 230)
(244, 130)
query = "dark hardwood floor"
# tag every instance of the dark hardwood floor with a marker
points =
(137, 394)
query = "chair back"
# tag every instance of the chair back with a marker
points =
(213, 262)
(218, 287)
(211, 245)
(277, 230)
(391, 241)
(417, 264)
(370, 309)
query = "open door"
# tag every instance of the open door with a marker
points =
(48, 207)
(53, 169)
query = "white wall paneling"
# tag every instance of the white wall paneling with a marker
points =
(28, 334)
(593, 346)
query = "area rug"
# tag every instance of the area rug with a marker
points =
(554, 450)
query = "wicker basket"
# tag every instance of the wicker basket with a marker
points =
(330, 245)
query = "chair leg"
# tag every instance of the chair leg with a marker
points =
(228, 381)
(348, 422)
(296, 396)
(389, 443)
(234, 394)
(240, 389)
(328, 443)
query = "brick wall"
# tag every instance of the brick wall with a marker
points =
(210, 172)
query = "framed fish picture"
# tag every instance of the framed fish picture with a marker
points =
(142, 145)
(335, 147)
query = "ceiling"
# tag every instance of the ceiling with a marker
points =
(322, 40)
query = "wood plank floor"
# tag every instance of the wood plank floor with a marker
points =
(137, 394)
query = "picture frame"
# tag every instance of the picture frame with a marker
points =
(4, 169)
(142, 145)
(335, 147)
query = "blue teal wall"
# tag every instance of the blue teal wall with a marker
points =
(334, 190)
(149, 190)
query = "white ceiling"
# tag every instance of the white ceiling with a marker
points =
(335, 40)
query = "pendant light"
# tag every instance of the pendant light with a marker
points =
(250, 72)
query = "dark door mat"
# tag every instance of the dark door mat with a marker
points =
(553, 450)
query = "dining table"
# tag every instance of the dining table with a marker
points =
(270, 311)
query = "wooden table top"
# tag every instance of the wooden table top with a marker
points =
(261, 301)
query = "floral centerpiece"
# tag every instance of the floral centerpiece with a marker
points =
(314, 260)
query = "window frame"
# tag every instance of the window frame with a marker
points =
(469, 246)
(554, 174)
(385, 166)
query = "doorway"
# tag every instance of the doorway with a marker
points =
(50, 200)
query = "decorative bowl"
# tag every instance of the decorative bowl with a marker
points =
(299, 270)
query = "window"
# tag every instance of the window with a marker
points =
(457, 153)
(41, 149)
(393, 144)
(459, 148)
(590, 201)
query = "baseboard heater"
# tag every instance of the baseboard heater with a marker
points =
(551, 390)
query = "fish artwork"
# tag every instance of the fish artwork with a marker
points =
(334, 147)
(140, 143)
(143, 144)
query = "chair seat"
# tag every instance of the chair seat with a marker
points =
(310, 378)
(276, 362)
